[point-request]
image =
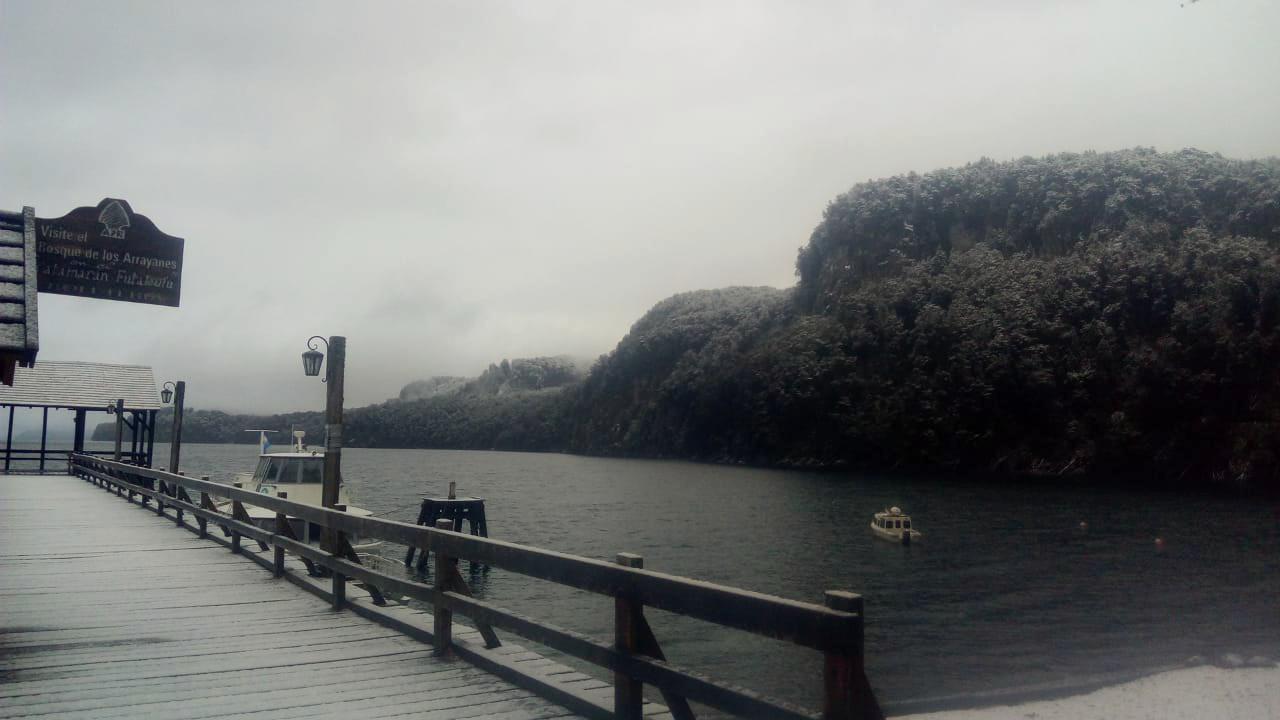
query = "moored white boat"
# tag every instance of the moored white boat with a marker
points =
(298, 475)
(893, 524)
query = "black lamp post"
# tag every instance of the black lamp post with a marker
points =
(312, 359)
(117, 408)
(178, 395)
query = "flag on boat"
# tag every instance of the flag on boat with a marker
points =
(263, 443)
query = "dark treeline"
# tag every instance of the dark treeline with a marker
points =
(1085, 313)
(215, 426)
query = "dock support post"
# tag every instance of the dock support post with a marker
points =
(443, 617)
(846, 694)
(8, 443)
(44, 438)
(628, 694)
(77, 442)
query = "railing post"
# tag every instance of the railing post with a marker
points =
(842, 694)
(160, 493)
(204, 503)
(337, 539)
(443, 616)
(628, 694)
(236, 509)
(281, 521)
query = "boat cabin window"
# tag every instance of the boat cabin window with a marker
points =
(906, 524)
(289, 472)
(312, 472)
(897, 523)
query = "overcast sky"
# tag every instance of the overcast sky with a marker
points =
(449, 184)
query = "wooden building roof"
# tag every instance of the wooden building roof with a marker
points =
(82, 385)
(19, 328)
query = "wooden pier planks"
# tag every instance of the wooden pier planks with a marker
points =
(106, 613)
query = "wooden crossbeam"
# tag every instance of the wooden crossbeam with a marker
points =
(346, 551)
(206, 502)
(239, 513)
(456, 583)
(648, 645)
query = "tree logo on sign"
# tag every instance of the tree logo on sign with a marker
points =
(114, 220)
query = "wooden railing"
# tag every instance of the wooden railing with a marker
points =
(834, 629)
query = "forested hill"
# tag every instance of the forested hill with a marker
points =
(1100, 312)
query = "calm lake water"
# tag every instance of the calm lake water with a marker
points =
(1005, 590)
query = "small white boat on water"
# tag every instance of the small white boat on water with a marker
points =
(893, 524)
(298, 475)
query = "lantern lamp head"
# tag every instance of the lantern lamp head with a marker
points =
(312, 359)
(166, 392)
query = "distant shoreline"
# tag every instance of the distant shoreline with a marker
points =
(996, 477)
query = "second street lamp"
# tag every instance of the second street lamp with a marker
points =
(178, 394)
(311, 362)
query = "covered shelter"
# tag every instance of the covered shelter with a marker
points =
(128, 391)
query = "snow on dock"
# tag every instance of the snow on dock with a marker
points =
(107, 612)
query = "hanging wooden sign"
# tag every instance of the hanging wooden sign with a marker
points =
(108, 252)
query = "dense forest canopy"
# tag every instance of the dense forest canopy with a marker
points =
(1079, 313)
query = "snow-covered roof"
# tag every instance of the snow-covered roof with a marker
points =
(91, 386)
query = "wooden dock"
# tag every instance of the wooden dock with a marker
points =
(107, 611)
(119, 598)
